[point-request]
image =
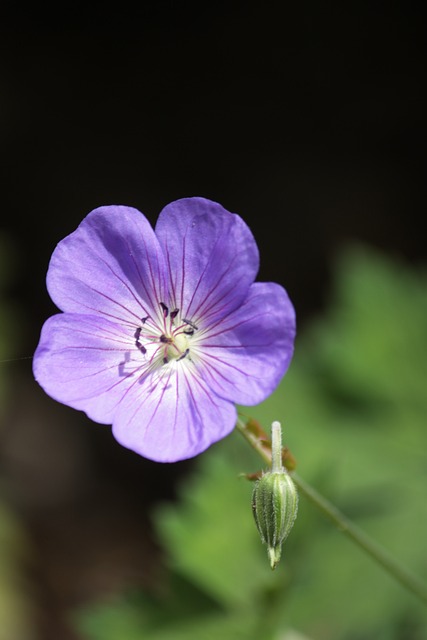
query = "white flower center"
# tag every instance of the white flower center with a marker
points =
(165, 338)
(176, 344)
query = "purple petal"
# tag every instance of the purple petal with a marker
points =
(212, 258)
(173, 417)
(86, 362)
(111, 265)
(244, 357)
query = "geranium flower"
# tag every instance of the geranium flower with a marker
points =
(163, 331)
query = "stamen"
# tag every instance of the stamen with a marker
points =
(192, 325)
(165, 309)
(165, 339)
(138, 344)
(174, 313)
(186, 352)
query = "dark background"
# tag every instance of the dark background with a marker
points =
(308, 121)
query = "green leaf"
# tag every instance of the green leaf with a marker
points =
(210, 535)
(353, 409)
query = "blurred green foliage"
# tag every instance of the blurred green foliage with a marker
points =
(354, 411)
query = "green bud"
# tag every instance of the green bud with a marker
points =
(275, 503)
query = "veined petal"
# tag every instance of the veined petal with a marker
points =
(212, 258)
(243, 357)
(111, 265)
(172, 416)
(87, 362)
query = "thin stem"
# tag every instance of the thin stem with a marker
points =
(276, 447)
(346, 526)
(372, 548)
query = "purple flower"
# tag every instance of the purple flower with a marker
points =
(163, 331)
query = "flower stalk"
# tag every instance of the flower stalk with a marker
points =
(393, 567)
(276, 448)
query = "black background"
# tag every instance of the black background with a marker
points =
(309, 121)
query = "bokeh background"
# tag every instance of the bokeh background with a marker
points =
(308, 120)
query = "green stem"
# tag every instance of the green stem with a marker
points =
(346, 526)
(276, 447)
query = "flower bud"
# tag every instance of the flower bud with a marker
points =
(275, 506)
(275, 501)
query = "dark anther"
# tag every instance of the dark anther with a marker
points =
(165, 360)
(189, 331)
(174, 313)
(138, 344)
(186, 352)
(165, 339)
(144, 320)
(191, 324)
(165, 309)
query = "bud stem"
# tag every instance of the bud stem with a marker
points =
(406, 578)
(276, 447)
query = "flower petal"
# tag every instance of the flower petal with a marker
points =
(86, 362)
(212, 258)
(111, 265)
(244, 357)
(172, 417)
